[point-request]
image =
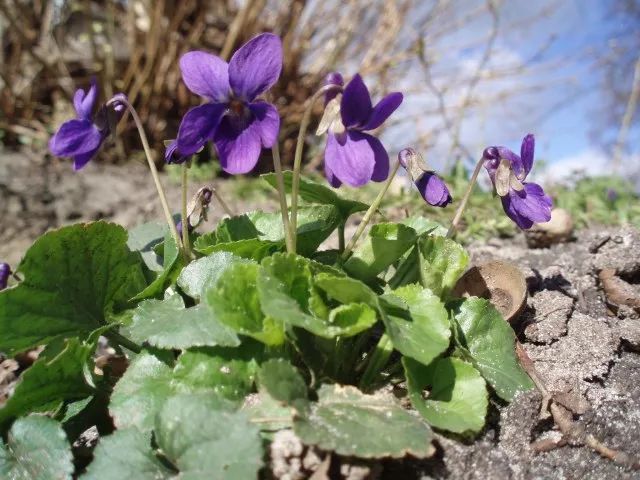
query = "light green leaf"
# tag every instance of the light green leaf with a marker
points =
(284, 383)
(442, 262)
(267, 413)
(148, 382)
(346, 290)
(37, 449)
(204, 441)
(456, 396)
(348, 422)
(251, 248)
(170, 257)
(314, 192)
(427, 334)
(54, 377)
(423, 225)
(125, 454)
(168, 324)
(236, 228)
(351, 319)
(144, 238)
(199, 276)
(236, 303)
(315, 224)
(385, 243)
(489, 342)
(74, 278)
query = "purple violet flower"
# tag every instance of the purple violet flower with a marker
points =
(172, 155)
(432, 188)
(5, 272)
(238, 124)
(353, 156)
(524, 202)
(82, 137)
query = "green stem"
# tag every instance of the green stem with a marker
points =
(369, 213)
(376, 363)
(186, 246)
(297, 159)
(465, 199)
(341, 237)
(152, 166)
(222, 203)
(123, 341)
(288, 232)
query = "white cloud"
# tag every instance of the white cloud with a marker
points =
(589, 162)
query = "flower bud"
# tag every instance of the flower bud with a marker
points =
(5, 272)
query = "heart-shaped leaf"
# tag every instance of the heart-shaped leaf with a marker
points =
(199, 276)
(442, 261)
(284, 383)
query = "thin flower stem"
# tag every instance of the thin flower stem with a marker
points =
(341, 237)
(465, 199)
(297, 159)
(376, 363)
(369, 213)
(123, 341)
(277, 165)
(222, 203)
(186, 245)
(152, 166)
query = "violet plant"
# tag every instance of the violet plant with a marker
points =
(232, 335)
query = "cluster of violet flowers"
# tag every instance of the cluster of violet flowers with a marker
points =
(240, 124)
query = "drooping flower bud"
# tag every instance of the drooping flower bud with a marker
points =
(432, 188)
(5, 272)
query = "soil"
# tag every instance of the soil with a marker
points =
(585, 348)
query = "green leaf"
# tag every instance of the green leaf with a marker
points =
(37, 449)
(457, 397)
(54, 377)
(124, 454)
(346, 290)
(314, 192)
(205, 442)
(348, 422)
(170, 257)
(315, 224)
(236, 228)
(385, 243)
(236, 303)
(74, 279)
(442, 261)
(267, 413)
(489, 342)
(199, 276)
(148, 382)
(144, 238)
(351, 319)
(168, 324)
(195, 438)
(424, 226)
(284, 383)
(252, 248)
(427, 334)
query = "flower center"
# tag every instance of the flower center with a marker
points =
(237, 107)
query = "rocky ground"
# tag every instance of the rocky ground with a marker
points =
(581, 327)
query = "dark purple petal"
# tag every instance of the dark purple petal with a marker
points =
(83, 103)
(75, 137)
(198, 126)
(526, 154)
(495, 154)
(79, 161)
(5, 272)
(331, 178)
(528, 206)
(383, 110)
(355, 107)
(352, 162)
(206, 75)
(238, 146)
(173, 155)
(256, 66)
(334, 79)
(267, 121)
(381, 167)
(433, 189)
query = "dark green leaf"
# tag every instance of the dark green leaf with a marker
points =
(37, 449)
(442, 261)
(74, 278)
(51, 380)
(427, 334)
(236, 303)
(314, 192)
(455, 398)
(489, 342)
(168, 324)
(385, 243)
(284, 383)
(236, 228)
(346, 421)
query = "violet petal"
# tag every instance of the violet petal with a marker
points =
(267, 121)
(256, 66)
(353, 162)
(238, 147)
(75, 137)
(206, 75)
(198, 127)
(383, 109)
(381, 167)
(526, 153)
(433, 189)
(355, 107)
(331, 178)
(83, 103)
(79, 161)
